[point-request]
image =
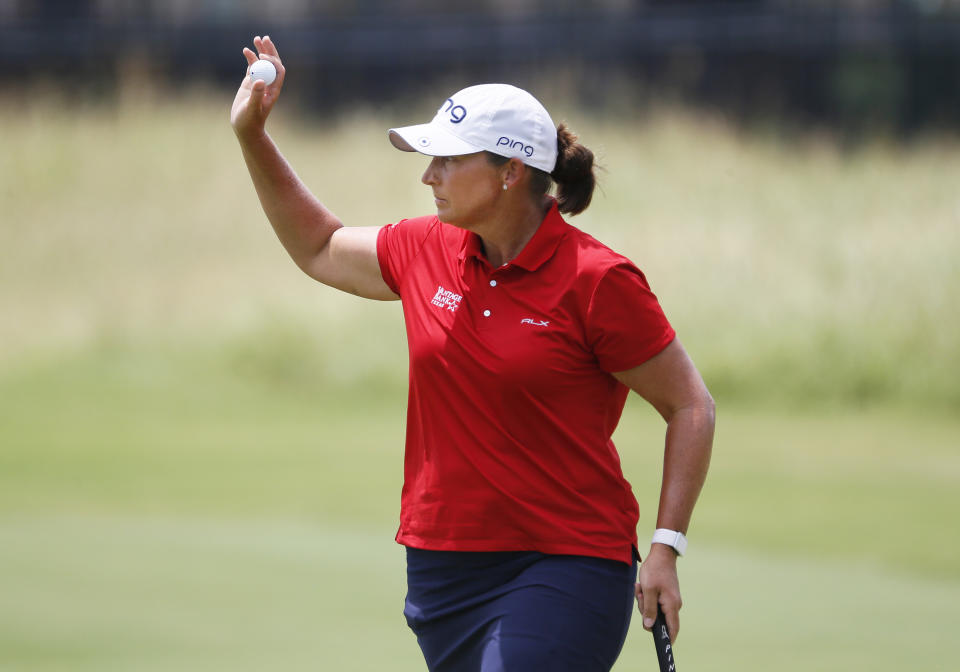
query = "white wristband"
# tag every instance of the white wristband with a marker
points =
(671, 538)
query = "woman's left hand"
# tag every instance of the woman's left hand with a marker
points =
(659, 585)
(672, 385)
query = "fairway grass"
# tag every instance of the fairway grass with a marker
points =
(166, 509)
(147, 593)
(173, 429)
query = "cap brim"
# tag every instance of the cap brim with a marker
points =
(430, 140)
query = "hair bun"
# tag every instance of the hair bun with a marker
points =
(573, 173)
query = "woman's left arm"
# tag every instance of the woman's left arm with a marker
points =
(672, 385)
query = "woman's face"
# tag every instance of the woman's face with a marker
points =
(466, 188)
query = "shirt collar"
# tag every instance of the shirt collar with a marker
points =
(536, 252)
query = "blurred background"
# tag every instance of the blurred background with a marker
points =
(201, 449)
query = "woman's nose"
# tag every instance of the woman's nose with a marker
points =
(430, 174)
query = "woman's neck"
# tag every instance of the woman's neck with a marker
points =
(504, 238)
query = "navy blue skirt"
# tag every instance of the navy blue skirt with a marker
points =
(523, 611)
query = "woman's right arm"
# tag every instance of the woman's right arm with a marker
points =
(319, 243)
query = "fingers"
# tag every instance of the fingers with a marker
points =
(648, 607)
(649, 602)
(266, 46)
(256, 93)
(250, 56)
(268, 52)
(673, 623)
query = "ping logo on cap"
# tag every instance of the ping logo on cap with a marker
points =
(457, 112)
(504, 141)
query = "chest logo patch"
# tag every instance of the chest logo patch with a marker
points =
(444, 298)
(535, 323)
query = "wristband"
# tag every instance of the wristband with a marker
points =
(671, 538)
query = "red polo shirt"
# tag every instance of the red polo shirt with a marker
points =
(511, 404)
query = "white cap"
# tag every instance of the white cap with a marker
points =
(497, 118)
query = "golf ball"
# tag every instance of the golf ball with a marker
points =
(263, 70)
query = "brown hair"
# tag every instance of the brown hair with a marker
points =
(574, 173)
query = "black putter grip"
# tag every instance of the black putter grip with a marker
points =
(661, 639)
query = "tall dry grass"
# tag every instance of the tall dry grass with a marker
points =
(793, 270)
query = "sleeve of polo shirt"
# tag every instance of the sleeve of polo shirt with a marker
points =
(398, 244)
(625, 324)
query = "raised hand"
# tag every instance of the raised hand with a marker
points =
(254, 98)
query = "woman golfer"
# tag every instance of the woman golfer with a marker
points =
(525, 337)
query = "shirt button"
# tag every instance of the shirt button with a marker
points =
(493, 283)
(486, 313)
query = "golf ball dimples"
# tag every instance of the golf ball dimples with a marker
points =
(263, 70)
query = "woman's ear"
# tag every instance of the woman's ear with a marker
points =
(513, 172)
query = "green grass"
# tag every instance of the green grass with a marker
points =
(165, 509)
(200, 449)
(158, 593)
(190, 432)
